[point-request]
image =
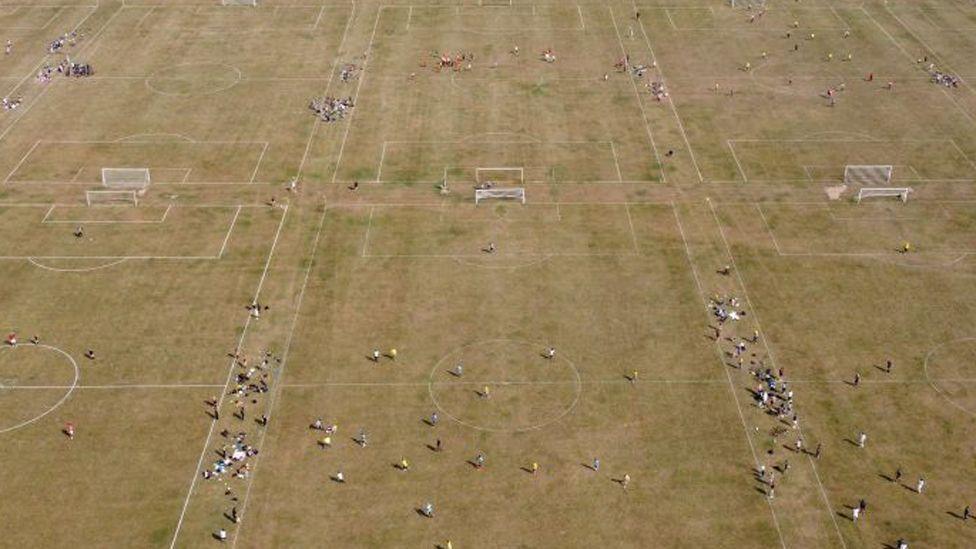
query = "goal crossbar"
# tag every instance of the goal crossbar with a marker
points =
(485, 174)
(125, 178)
(869, 174)
(868, 192)
(516, 193)
(96, 198)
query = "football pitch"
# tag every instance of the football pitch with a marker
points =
(696, 325)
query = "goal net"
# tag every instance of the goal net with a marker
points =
(867, 175)
(868, 192)
(499, 176)
(136, 179)
(111, 198)
(515, 193)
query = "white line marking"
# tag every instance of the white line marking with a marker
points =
(579, 10)
(769, 229)
(737, 163)
(51, 209)
(144, 17)
(230, 230)
(379, 169)
(409, 17)
(284, 362)
(728, 377)
(230, 374)
(633, 233)
(640, 103)
(613, 151)
(105, 222)
(319, 17)
(670, 20)
(674, 108)
(328, 86)
(359, 85)
(120, 386)
(772, 361)
(21, 162)
(369, 227)
(256, 166)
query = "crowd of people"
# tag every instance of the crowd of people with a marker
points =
(331, 109)
(945, 79)
(11, 104)
(63, 41)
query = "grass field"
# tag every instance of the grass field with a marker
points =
(634, 206)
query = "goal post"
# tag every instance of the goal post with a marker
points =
(869, 192)
(514, 193)
(135, 179)
(868, 174)
(111, 198)
(238, 2)
(509, 176)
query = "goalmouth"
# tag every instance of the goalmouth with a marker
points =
(868, 192)
(111, 198)
(128, 179)
(515, 193)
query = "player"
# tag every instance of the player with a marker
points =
(12, 339)
(393, 354)
(376, 355)
(69, 430)
(551, 353)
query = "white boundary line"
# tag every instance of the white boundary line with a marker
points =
(21, 162)
(192, 144)
(640, 103)
(738, 164)
(579, 10)
(256, 166)
(728, 376)
(359, 85)
(230, 230)
(230, 377)
(56, 405)
(106, 222)
(616, 163)
(369, 227)
(120, 386)
(674, 108)
(328, 87)
(227, 235)
(633, 233)
(284, 363)
(318, 18)
(772, 362)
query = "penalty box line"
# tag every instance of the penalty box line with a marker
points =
(192, 144)
(951, 141)
(217, 256)
(781, 253)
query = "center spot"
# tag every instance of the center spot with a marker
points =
(527, 391)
